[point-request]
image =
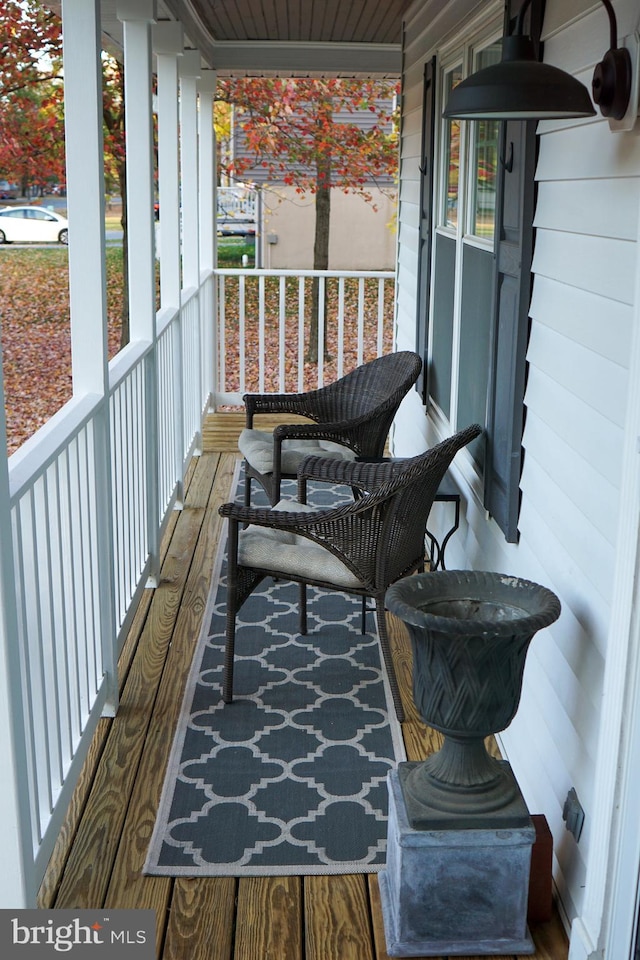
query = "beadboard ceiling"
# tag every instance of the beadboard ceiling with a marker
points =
(286, 37)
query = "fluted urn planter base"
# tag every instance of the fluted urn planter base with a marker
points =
(454, 892)
(431, 804)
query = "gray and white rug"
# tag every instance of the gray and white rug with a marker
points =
(291, 777)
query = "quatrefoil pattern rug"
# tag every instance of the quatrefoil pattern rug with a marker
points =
(291, 777)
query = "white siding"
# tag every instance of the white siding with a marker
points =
(582, 314)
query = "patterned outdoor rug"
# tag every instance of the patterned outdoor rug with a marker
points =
(291, 777)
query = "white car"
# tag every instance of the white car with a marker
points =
(32, 225)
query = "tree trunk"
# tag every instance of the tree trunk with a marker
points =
(320, 253)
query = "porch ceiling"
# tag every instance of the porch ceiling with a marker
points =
(354, 38)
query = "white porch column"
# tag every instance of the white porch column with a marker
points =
(189, 73)
(208, 228)
(87, 279)
(168, 46)
(85, 196)
(206, 90)
(17, 885)
(137, 17)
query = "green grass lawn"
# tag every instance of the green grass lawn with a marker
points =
(232, 249)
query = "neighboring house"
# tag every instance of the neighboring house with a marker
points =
(521, 288)
(288, 218)
(361, 236)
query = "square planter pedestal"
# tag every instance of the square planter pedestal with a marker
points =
(448, 891)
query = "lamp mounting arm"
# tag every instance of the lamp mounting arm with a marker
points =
(520, 18)
(613, 25)
(611, 84)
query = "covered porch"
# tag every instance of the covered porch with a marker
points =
(87, 502)
(102, 845)
(108, 516)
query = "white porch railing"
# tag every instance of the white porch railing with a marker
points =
(90, 493)
(77, 581)
(265, 331)
(239, 203)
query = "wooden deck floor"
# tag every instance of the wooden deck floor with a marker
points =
(101, 849)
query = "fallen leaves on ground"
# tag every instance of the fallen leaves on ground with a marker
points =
(281, 368)
(36, 338)
(36, 333)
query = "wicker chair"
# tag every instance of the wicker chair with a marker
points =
(359, 548)
(352, 417)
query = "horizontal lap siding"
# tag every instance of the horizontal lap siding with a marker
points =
(600, 265)
(585, 262)
(581, 324)
(591, 376)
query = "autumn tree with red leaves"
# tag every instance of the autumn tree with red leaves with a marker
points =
(310, 134)
(31, 94)
(32, 148)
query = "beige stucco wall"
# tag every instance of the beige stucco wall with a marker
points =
(361, 237)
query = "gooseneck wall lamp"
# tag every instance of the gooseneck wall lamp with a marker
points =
(522, 88)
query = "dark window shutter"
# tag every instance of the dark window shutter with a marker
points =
(427, 164)
(514, 247)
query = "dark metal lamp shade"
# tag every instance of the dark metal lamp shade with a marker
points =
(519, 88)
(522, 88)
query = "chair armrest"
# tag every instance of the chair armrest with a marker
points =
(256, 403)
(310, 431)
(354, 473)
(279, 519)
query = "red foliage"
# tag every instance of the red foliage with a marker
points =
(292, 126)
(31, 93)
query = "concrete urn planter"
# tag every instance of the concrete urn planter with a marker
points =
(470, 632)
(460, 834)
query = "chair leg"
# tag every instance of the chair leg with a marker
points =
(302, 608)
(247, 489)
(387, 656)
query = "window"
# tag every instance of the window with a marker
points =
(472, 312)
(462, 291)
(452, 156)
(485, 161)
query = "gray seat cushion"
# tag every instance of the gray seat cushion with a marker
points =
(288, 553)
(256, 446)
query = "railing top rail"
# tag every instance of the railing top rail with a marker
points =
(187, 294)
(252, 271)
(36, 454)
(125, 360)
(164, 318)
